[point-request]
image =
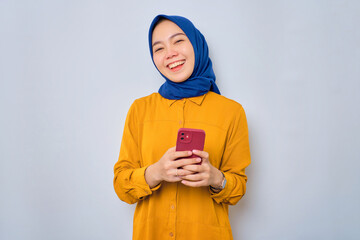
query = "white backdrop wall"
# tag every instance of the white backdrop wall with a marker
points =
(69, 71)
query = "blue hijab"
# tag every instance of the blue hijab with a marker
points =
(203, 78)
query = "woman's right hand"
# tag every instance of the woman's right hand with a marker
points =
(169, 167)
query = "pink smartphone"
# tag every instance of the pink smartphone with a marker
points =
(189, 139)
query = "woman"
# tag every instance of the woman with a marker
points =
(178, 198)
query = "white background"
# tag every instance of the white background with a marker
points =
(69, 71)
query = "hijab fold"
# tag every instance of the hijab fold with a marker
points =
(202, 78)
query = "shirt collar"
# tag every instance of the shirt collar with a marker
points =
(198, 100)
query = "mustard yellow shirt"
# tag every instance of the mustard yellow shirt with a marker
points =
(173, 210)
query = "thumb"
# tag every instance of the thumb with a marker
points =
(203, 155)
(172, 149)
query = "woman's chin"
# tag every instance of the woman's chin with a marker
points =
(177, 80)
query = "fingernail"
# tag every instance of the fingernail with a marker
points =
(198, 159)
(190, 152)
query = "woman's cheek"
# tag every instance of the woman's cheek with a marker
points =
(158, 60)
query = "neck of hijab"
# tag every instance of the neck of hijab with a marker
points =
(202, 78)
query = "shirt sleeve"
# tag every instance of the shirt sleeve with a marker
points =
(129, 176)
(235, 159)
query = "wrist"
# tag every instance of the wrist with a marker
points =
(152, 176)
(155, 172)
(219, 181)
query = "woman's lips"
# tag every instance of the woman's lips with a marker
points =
(176, 66)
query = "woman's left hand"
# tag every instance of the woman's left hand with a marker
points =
(203, 174)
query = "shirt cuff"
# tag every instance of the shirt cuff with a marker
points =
(220, 196)
(139, 177)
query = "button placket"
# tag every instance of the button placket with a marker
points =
(182, 116)
(172, 211)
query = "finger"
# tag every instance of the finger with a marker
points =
(172, 149)
(201, 154)
(175, 176)
(186, 161)
(193, 177)
(183, 172)
(180, 154)
(193, 168)
(194, 184)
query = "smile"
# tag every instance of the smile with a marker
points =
(175, 64)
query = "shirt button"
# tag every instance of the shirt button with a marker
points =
(180, 122)
(172, 207)
(171, 234)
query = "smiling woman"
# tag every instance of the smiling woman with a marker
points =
(182, 194)
(202, 78)
(173, 53)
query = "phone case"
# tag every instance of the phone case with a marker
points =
(189, 139)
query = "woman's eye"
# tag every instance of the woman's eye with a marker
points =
(157, 49)
(180, 40)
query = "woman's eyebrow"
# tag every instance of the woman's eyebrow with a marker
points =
(172, 36)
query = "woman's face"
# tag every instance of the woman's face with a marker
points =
(173, 52)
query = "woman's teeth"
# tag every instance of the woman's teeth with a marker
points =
(175, 64)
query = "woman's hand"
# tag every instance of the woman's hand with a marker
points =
(170, 168)
(202, 175)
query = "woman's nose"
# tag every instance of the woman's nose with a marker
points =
(171, 53)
